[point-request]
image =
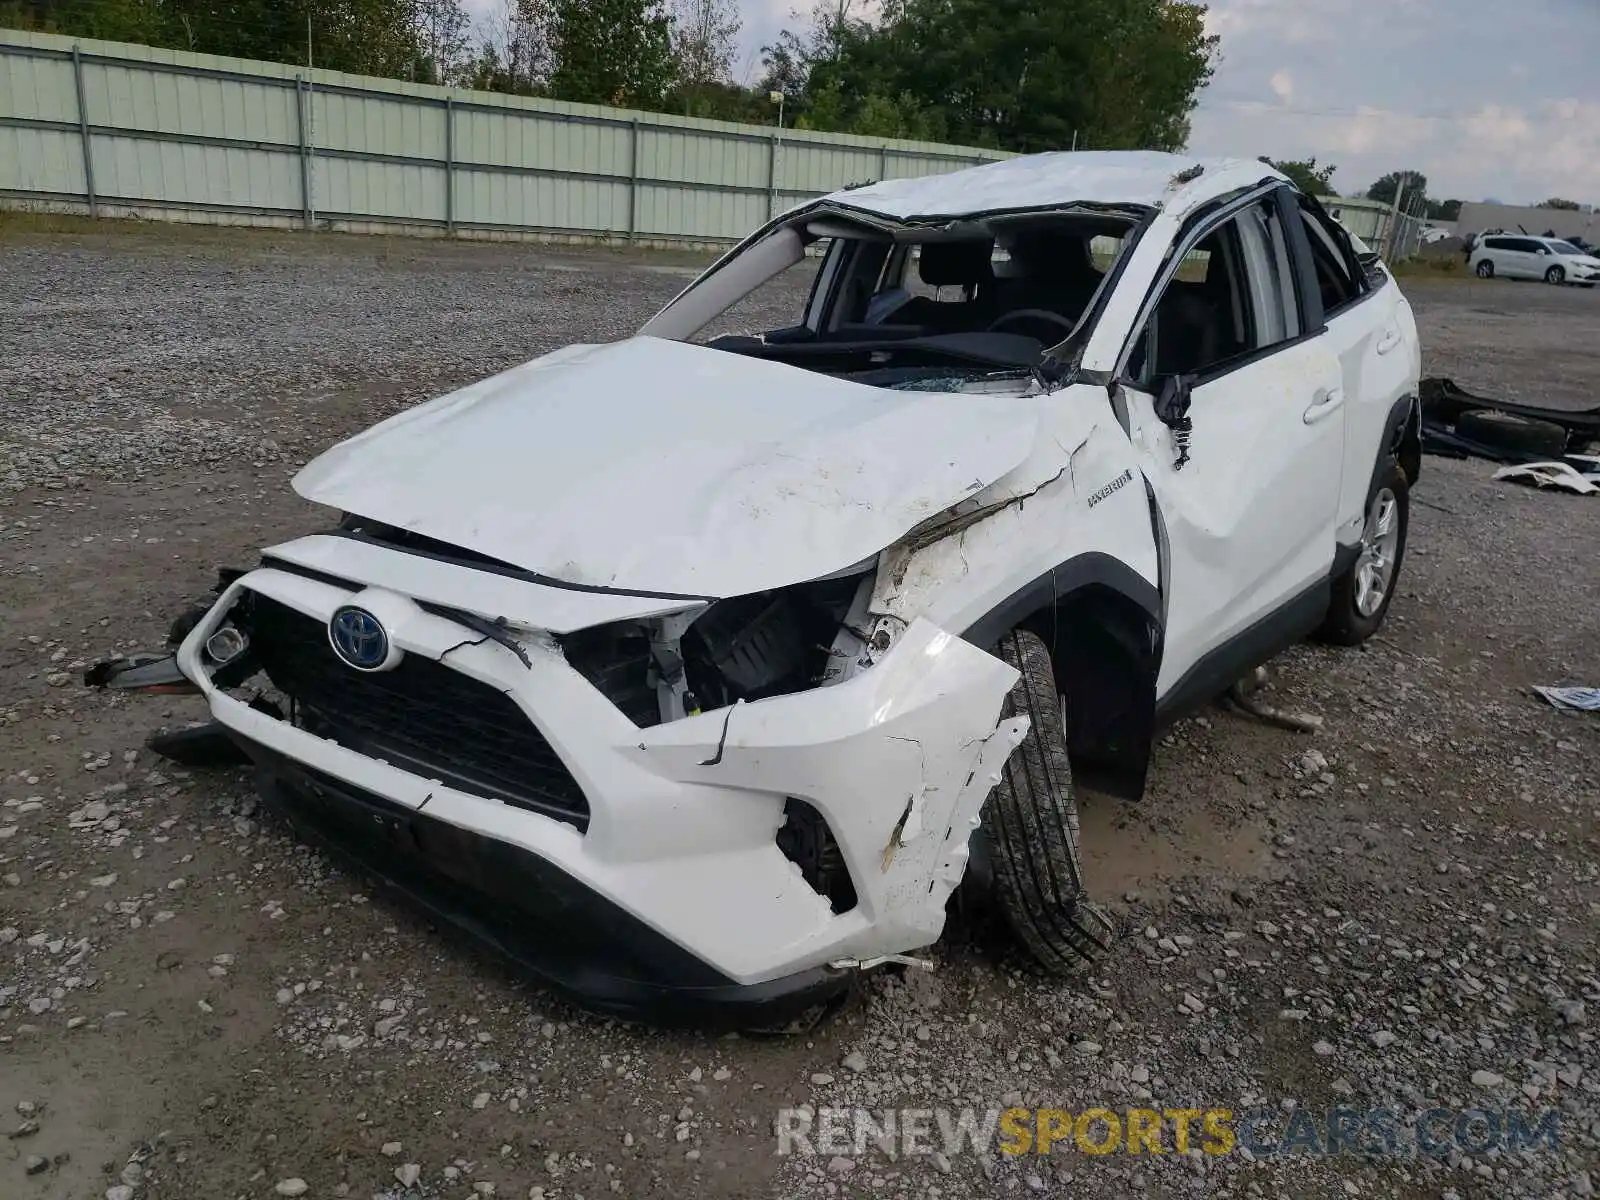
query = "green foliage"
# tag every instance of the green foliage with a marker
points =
(613, 52)
(372, 37)
(1564, 205)
(1413, 200)
(1444, 210)
(1018, 74)
(1308, 177)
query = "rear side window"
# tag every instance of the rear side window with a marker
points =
(1496, 244)
(1336, 281)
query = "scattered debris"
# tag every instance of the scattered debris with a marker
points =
(1571, 699)
(1551, 475)
(1461, 425)
(1242, 696)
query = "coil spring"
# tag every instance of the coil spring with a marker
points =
(1181, 427)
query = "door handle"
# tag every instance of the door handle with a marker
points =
(1328, 401)
(1391, 339)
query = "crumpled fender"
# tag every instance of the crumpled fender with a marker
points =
(899, 760)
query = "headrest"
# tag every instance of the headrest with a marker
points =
(956, 264)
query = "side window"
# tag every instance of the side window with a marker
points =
(1496, 244)
(1335, 279)
(1231, 296)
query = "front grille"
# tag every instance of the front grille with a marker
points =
(422, 716)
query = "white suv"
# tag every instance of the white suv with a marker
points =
(698, 674)
(1521, 256)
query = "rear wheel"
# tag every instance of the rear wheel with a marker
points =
(1361, 595)
(1031, 824)
(1486, 269)
(1556, 275)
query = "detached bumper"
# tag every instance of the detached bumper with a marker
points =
(662, 887)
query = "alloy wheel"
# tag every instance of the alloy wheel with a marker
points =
(1380, 543)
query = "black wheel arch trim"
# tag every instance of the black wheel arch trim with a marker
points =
(1109, 673)
(1091, 569)
(1401, 442)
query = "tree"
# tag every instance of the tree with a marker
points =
(613, 52)
(1020, 74)
(1413, 201)
(517, 52)
(1308, 177)
(1565, 205)
(704, 38)
(788, 62)
(1444, 210)
(444, 32)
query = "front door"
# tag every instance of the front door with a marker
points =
(1249, 494)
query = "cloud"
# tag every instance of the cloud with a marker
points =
(1383, 85)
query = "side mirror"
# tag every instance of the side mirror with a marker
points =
(1172, 410)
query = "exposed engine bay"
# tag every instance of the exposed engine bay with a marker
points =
(744, 648)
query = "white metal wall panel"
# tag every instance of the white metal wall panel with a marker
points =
(127, 97)
(40, 88)
(378, 125)
(41, 160)
(689, 157)
(679, 212)
(188, 174)
(225, 134)
(401, 192)
(542, 202)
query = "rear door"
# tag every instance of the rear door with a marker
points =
(1525, 255)
(1366, 331)
(1248, 496)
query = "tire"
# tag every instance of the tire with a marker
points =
(1031, 823)
(1486, 269)
(1556, 275)
(1525, 435)
(1352, 616)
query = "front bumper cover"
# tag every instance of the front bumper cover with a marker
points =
(680, 854)
(576, 942)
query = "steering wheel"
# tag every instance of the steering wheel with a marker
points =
(1065, 324)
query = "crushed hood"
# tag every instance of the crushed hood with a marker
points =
(669, 468)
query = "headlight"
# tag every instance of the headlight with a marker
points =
(743, 648)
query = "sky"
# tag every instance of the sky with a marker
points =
(1488, 100)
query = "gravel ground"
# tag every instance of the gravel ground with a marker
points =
(1401, 911)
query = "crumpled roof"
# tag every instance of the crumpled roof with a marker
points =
(1143, 178)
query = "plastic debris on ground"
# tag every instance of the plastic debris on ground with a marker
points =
(1572, 699)
(1552, 474)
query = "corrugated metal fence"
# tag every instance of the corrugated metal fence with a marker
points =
(121, 130)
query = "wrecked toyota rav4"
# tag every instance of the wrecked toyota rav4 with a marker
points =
(698, 674)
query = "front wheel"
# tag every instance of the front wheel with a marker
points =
(1486, 269)
(1362, 594)
(1030, 822)
(1556, 275)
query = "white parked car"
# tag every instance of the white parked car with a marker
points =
(1520, 256)
(698, 671)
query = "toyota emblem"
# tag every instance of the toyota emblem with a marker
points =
(359, 638)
